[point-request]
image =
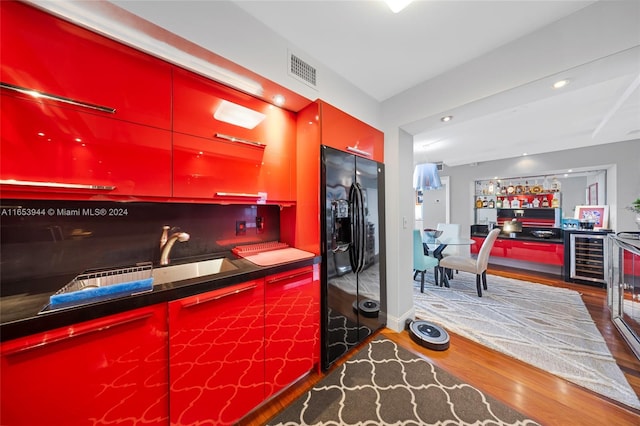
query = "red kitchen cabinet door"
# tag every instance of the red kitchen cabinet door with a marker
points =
(228, 158)
(47, 54)
(104, 371)
(59, 149)
(221, 170)
(346, 133)
(292, 324)
(216, 351)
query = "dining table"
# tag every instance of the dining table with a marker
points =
(442, 243)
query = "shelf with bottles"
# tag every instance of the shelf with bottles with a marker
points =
(536, 201)
(532, 185)
(518, 193)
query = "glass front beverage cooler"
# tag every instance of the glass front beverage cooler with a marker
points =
(623, 287)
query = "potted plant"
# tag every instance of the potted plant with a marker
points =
(635, 207)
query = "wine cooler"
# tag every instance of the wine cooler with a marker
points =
(587, 257)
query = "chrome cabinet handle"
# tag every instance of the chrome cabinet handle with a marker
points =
(289, 277)
(56, 185)
(42, 95)
(199, 300)
(358, 151)
(237, 194)
(75, 331)
(255, 144)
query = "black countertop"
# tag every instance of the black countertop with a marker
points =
(21, 314)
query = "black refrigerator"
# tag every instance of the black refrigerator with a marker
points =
(353, 273)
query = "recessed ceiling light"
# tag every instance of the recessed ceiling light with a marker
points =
(560, 84)
(397, 5)
(278, 100)
(446, 118)
(524, 154)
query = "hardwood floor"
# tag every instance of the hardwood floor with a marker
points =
(543, 397)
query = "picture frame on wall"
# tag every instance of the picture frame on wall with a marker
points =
(599, 214)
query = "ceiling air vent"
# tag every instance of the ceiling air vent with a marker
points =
(439, 166)
(302, 71)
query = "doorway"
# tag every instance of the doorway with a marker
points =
(433, 207)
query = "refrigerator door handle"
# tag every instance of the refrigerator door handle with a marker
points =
(356, 207)
(362, 229)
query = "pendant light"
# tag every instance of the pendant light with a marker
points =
(425, 176)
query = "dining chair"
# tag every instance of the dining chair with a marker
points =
(477, 265)
(422, 262)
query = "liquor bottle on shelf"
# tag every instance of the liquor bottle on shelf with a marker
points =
(479, 203)
(555, 202)
(545, 202)
(485, 203)
(506, 204)
(492, 204)
(491, 188)
(515, 203)
(536, 203)
(499, 203)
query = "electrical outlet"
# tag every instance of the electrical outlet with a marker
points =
(241, 227)
(259, 225)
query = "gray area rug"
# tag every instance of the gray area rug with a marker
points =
(384, 384)
(544, 326)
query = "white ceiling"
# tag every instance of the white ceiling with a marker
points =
(385, 54)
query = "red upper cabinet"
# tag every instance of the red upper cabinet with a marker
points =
(346, 133)
(80, 69)
(48, 149)
(216, 159)
(292, 324)
(97, 372)
(216, 351)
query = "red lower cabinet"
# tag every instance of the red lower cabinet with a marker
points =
(107, 371)
(216, 351)
(292, 325)
(530, 251)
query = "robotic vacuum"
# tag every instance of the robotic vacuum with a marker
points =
(367, 307)
(429, 335)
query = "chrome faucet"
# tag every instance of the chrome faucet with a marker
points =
(166, 243)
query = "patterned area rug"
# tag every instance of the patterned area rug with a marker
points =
(384, 384)
(544, 326)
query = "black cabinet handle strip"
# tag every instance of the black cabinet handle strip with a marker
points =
(42, 95)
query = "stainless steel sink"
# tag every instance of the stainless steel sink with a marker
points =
(185, 271)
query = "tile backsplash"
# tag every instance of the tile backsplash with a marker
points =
(39, 238)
